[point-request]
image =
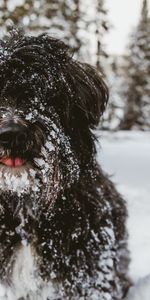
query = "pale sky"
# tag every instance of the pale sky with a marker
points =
(123, 15)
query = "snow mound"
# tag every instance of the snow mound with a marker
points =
(125, 155)
(141, 291)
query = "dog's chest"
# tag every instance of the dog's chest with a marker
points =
(25, 271)
(25, 281)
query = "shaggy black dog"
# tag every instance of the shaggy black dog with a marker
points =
(62, 223)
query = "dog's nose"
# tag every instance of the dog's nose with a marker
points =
(12, 132)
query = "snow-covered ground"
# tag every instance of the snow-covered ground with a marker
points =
(126, 156)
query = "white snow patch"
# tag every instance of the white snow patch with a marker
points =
(141, 291)
(25, 279)
(49, 146)
(18, 180)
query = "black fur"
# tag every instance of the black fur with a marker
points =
(75, 222)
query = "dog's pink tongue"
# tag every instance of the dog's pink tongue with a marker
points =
(12, 162)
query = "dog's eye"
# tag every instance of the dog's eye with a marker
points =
(3, 110)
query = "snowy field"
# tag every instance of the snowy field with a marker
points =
(126, 156)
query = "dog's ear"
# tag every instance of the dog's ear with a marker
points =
(90, 93)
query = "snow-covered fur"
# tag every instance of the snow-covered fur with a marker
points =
(62, 223)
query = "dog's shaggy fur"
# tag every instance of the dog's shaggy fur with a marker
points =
(57, 208)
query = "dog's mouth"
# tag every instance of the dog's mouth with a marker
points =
(20, 142)
(12, 162)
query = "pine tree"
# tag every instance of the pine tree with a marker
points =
(137, 113)
(14, 15)
(81, 24)
(93, 27)
(102, 27)
(60, 18)
(115, 74)
(71, 13)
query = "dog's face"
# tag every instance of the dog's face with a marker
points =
(48, 103)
